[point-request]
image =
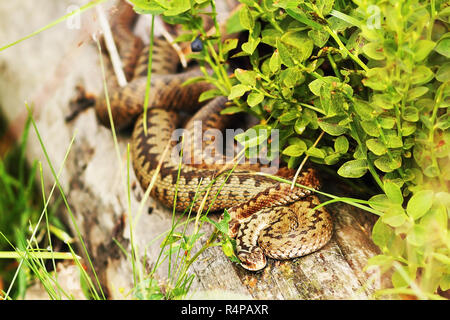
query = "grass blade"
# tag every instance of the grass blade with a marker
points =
(54, 23)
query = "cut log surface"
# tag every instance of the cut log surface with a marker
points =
(44, 71)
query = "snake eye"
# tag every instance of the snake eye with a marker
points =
(197, 45)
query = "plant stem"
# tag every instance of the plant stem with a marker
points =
(344, 48)
(149, 73)
(334, 66)
(54, 23)
(271, 19)
(294, 180)
(369, 163)
(431, 134)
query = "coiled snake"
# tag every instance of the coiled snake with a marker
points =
(267, 217)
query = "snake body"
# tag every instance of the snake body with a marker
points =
(268, 218)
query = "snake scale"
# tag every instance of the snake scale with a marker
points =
(268, 218)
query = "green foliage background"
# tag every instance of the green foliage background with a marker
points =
(374, 77)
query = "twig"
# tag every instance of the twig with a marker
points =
(304, 161)
(174, 45)
(112, 49)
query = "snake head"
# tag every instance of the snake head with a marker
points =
(253, 260)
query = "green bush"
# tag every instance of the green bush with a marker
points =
(374, 77)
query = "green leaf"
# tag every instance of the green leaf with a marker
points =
(319, 37)
(232, 110)
(431, 171)
(247, 77)
(206, 95)
(417, 236)
(255, 98)
(312, 118)
(386, 101)
(374, 51)
(194, 80)
(148, 7)
(435, 219)
(348, 19)
(270, 36)
(443, 198)
(443, 122)
(324, 6)
(371, 128)
(233, 24)
(301, 123)
(353, 169)
(393, 141)
(228, 250)
(292, 77)
(341, 144)
(422, 49)
(386, 164)
(284, 54)
(386, 122)
(338, 25)
(380, 202)
(316, 153)
(442, 258)
(248, 2)
(443, 73)
(246, 18)
(395, 216)
(421, 75)
(298, 45)
(393, 192)
(443, 47)
(222, 225)
(411, 114)
(377, 79)
(317, 84)
(296, 150)
(229, 44)
(185, 37)
(332, 158)
(300, 16)
(173, 238)
(253, 136)
(420, 203)
(177, 7)
(332, 102)
(331, 126)
(275, 62)
(382, 234)
(416, 92)
(363, 109)
(398, 281)
(359, 154)
(408, 128)
(250, 46)
(376, 146)
(237, 91)
(287, 117)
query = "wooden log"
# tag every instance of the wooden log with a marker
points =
(44, 70)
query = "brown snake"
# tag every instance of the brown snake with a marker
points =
(267, 217)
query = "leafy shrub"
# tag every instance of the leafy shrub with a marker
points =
(374, 77)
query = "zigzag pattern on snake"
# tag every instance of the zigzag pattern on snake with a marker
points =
(268, 218)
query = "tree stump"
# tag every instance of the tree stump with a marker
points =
(45, 70)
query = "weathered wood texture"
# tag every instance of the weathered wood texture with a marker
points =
(44, 70)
